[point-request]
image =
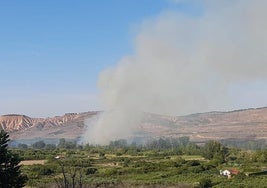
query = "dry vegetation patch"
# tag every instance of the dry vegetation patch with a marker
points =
(32, 162)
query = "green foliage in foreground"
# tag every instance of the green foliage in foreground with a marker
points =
(10, 173)
(122, 166)
(158, 163)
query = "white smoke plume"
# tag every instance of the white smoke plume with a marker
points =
(184, 64)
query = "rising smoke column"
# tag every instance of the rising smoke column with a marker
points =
(184, 64)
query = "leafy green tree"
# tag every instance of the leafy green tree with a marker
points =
(50, 146)
(39, 144)
(23, 146)
(184, 140)
(70, 145)
(261, 156)
(62, 143)
(216, 151)
(118, 143)
(66, 144)
(10, 174)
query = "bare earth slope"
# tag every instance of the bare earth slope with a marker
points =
(69, 126)
(242, 124)
(15, 122)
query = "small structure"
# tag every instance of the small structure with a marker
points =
(59, 157)
(229, 173)
(225, 172)
(234, 171)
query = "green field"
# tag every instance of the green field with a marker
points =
(97, 166)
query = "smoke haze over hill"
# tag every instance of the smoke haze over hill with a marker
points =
(185, 64)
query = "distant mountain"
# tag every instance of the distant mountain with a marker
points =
(23, 127)
(15, 122)
(248, 124)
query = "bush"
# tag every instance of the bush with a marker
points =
(50, 147)
(193, 163)
(42, 170)
(196, 169)
(91, 171)
(111, 171)
(101, 154)
(205, 183)
(119, 154)
(240, 176)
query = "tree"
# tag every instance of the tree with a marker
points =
(66, 144)
(50, 146)
(62, 143)
(23, 146)
(216, 151)
(10, 174)
(38, 145)
(72, 170)
(184, 140)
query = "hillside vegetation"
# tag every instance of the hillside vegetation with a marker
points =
(154, 164)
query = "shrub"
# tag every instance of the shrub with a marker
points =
(101, 154)
(193, 163)
(90, 171)
(119, 154)
(42, 170)
(196, 169)
(111, 171)
(205, 183)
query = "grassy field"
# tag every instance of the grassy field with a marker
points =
(156, 164)
(144, 169)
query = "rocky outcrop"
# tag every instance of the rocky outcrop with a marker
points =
(15, 122)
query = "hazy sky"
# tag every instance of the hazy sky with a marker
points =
(52, 51)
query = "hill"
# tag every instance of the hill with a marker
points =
(249, 124)
(69, 126)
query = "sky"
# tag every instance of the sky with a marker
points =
(53, 52)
